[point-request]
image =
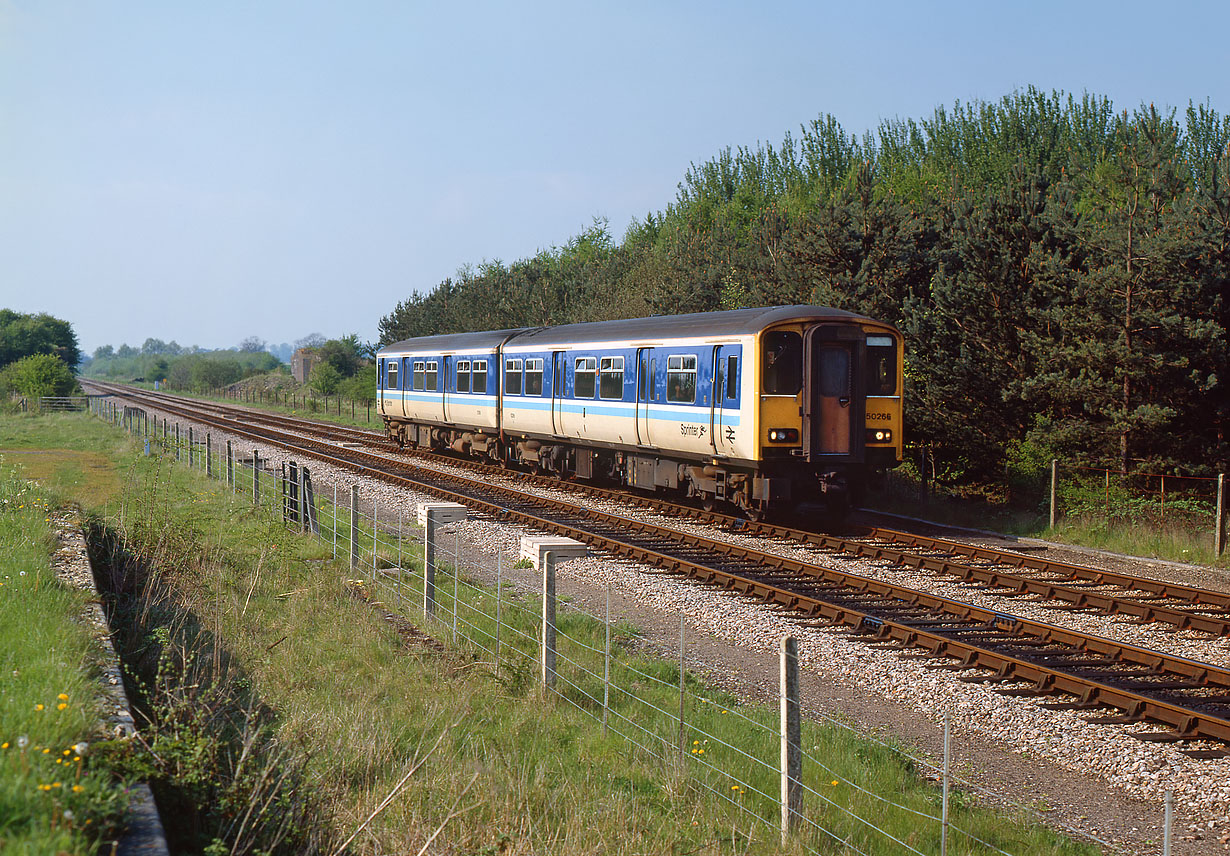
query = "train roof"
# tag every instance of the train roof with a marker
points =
(487, 340)
(734, 322)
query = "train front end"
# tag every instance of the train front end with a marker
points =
(830, 407)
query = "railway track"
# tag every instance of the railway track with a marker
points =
(1030, 658)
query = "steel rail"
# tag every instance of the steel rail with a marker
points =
(1008, 584)
(1084, 651)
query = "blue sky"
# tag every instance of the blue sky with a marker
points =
(204, 172)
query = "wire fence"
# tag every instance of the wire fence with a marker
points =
(818, 782)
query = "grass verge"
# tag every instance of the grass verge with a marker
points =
(274, 691)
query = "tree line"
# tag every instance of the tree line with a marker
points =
(38, 354)
(1058, 266)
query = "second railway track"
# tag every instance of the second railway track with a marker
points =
(1027, 657)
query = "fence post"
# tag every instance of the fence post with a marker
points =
(606, 664)
(944, 797)
(190, 447)
(177, 452)
(256, 479)
(456, 574)
(791, 733)
(399, 516)
(209, 456)
(499, 602)
(354, 527)
(429, 567)
(1169, 823)
(334, 521)
(683, 739)
(1219, 523)
(375, 531)
(230, 467)
(1054, 485)
(548, 621)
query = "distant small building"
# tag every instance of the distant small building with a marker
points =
(302, 362)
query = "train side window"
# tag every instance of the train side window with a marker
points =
(433, 375)
(881, 365)
(533, 376)
(653, 379)
(681, 379)
(583, 377)
(463, 375)
(611, 378)
(479, 384)
(418, 374)
(392, 375)
(512, 377)
(783, 362)
(732, 377)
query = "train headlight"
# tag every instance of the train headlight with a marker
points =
(879, 435)
(783, 435)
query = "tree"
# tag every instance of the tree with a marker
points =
(103, 352)
(24, 335)
(311, 340)
(325, 379)
(126, 350)
(252, 345)
(39, 375)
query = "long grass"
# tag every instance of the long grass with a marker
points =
(53, 797)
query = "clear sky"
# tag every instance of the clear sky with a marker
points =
(208, 171)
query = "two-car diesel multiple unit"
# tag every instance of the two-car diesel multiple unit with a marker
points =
(764, 409)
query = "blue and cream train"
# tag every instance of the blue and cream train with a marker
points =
(764, 409)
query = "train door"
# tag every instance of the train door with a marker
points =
(446, 364)
(721, 435)
(644, 396)
(558, 364)
(407, 372)
(833, 406)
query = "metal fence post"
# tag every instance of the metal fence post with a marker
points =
(548, 621)
(1054, 483)
(456, 574)
(190, 447)
(944, 796)
(683, 740)
(177, 452)
(429, 567)
(1169, 823)
(209, 456)
(335, 521)
(230, 467)
(606, 664)
(256, 479)
(375, 530)
(354, 527)
(791, 726)
(499, 601)
(1219, 523)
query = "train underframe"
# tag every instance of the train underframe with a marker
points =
(776, 488)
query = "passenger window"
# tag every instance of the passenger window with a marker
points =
(881, 365)
(783, 362)
(433, 375)
(463, 375)
(392, 383)
(418, 374)
(479, 384)
(732, 377)
(583, 377)
(533, 377)
(512, 377)
(611, 378)
(681, 379)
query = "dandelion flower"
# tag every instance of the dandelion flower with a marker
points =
(23, 741)
(80, 748)
(834, 783)
(63, 696)
(61, 705)
(78, 789)
(4, 745)
(38, 706)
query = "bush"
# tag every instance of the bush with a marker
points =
(38, 375)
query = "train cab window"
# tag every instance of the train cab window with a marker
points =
(583, 377)
(611, 378)
(881, 365)
(479, 382)
(433, 375)
(533, 376)
(418, 374)
(391, 382)
(732, 377)
(512, 377)
(783, 362)
(463, 375)
(681, 379)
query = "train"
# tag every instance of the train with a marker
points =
(766, 410)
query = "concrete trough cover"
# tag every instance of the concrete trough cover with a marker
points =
(346, 445)
(535, 547)
(442, 512)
